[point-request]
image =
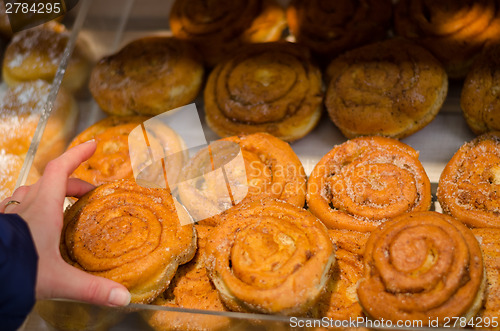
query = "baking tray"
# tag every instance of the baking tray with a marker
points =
(111, 24)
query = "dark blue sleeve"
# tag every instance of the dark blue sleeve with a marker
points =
(18, 268)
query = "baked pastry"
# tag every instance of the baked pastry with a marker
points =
(36, 53)
(190, 288)
(148, 77)
(272, 170)
(339, 302)
(20, 112)
(112, 159)
(272, 87)
(489, 241)
(454, 31)
(395, 86)
(330, 28)
(468, 186)
(132, 235)
(361, 183)
(10, 168)
(422, 266)
(271, 257)
(351, 241)
(479, 98)
(220, 28)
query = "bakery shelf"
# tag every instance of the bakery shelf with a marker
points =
(111, 24)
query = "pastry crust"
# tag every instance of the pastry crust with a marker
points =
(329, 28)
(339, 302)
(394, 86)
(36, 53)
(268, 256)
(219, 28)
(148, 76)
(479, 99)
(454, 31)
(272, 170)
(361, 183)
(422, 266)
(489, 240)
(190, 288)
(133, 235)
(20, 112)
(111, 160)
(272, 87)
(469, 184)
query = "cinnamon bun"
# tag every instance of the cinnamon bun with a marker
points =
(190, 288)
(111, 160)
(329, 28)
(272, 87)
(36, 53)
(468, 186)
(422, 266)
(148, 76)
(394, 86)
(361, 183)
(489, 240)
(479, 98)
(218, 28)
(271, 257)
(454, 31)
(132, 235)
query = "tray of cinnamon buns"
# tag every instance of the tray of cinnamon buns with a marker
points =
(368, 140)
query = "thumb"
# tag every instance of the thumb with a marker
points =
(75, 284)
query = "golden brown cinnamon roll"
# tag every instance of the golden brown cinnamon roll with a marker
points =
(132, 235)
(35, 54)
(269, 256)
(469, 184)
(454, 31)
(111, 160)
(422, 266)
(271, 88)
(489, 241)
(147, 77)
(364, 181)
(479, 99)
(220, 27)
(332, 27)
(190, 288)
(272, 170)
(391, 88)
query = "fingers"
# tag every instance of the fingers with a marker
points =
(55, 178)
(78, 188)
(74, 284)
(18, 195)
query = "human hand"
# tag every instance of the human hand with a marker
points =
(41, 206)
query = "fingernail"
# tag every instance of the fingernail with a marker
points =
(119, 297)
(90, 141)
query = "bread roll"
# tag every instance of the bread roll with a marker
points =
(36, 53)
(20, 112)
(148, 76)
(391, 88)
